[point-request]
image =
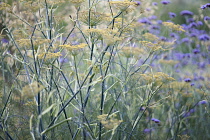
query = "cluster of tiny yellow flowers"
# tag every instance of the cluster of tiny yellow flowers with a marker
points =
(174, 26)
(95, 33)
(95, 18)
(164, 43)
(73, 47)
(150, 45)
(53, 1)
(158, 77)
(122, 5)
(109, 123)
(126, 28)
(30, 5)
(77, 3)
(32, 89)
(49, 55)
(150, 37)
(184, 137)
(177, 85)
(132, 51)
(168, 62)
(5, 6)
(36, 42)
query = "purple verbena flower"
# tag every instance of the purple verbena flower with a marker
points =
(187, 80)
(172, 15)
(155, 120)
(199, 23)
(196, 51)
(192, 25)
(165, 2)
(207, 5)
(203, 102)
(206, 18)
(4, 40)
(145, 21)
(138, 3)
(186, 13)
(204, 37)
(189, 20)
(147, 130)
(154, 3)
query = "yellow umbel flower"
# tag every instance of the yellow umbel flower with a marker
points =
(151, 37)
(158, 78)
(109, 123)
(95, 18)
(73, 47)
(32, 89)
(174, 26)
(122, 5)
(77, 3)
(168, 62)
(49, 55)
(152, 46)
(132, 51)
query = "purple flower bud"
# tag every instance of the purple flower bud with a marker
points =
(145, 21)
(172, 15)
(138, 3)
(154, 3)
(186, 13)
(199, 23)
(196, 51)
(203, 102)
(4, 40)
(207, 5)
(206, 18)
(204, 37)
(155, 120)
(187, 80)
(147, 130)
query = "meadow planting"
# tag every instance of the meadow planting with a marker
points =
(104, 70)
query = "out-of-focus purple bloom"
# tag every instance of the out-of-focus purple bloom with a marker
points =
(206, 18)
(192, 110)
(192, 25)
(204, 37)
(4, 40)
(193, 35)
(172, 15)
(138, 3)
(203, 102)
(63, 60)
(187, 55)
(155, 3)
(152, 17)
(163, 38)
(196, 51)
(155, 27)
(187, 80)
(186, 13)
(189, 20)
(147, 130)
(192, 84)
(185, 40)
(159, 21)
(207, 5)
(155, 120)
(202, 65)
(145, 21)
(199, 23)
(165, 2)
